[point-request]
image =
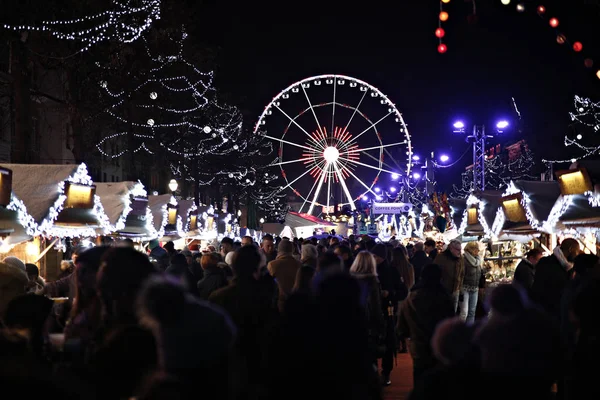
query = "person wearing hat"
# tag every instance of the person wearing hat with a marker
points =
(13, 283)
(159, 254)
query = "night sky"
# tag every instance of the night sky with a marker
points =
(264, 47)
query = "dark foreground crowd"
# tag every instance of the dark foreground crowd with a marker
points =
(297, 320)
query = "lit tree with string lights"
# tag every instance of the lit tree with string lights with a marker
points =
(125, 22)
(585, 128)
(271, 203)
(515, 162)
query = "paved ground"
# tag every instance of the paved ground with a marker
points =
(401, 379)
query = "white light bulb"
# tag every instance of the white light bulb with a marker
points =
(505, 2)
(153, 95)
(207, 129)
(150, 122)
(579, 137)
(331, 154)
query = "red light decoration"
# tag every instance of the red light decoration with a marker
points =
(589, 63)
(444, 16)
(577, 46)
(541, 10)
(440, 33)
(561, 39)
(553, 22)
(442, 48)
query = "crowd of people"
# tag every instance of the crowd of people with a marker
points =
(297, 319)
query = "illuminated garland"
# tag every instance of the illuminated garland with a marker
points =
(165, 219)
(136, 191)
(25, 220)
(593, 198)
(480, 205)
(107, 26)
(269, 199)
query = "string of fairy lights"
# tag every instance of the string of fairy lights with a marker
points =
(561, 38)
(125, 22)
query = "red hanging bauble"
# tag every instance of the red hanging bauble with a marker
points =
(577, 46)
(553, 22)
(442, 48)
(440, 33)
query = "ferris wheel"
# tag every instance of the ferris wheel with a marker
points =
(337, 137)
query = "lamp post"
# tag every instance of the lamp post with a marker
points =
(173, 185)
(478, 137)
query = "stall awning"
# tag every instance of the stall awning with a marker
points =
(300, 220)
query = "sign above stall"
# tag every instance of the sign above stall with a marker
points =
(391, 208)
(5, 186)
(79, 196)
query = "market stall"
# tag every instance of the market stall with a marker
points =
(304, 225)
(165, 217)
(126, 206)
(479, 215)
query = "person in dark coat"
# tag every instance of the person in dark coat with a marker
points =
(214, 276)
(158, 255)
(430, 247)
(180, 269)
(419, 259)
(252, 310)
(426, 306)
(552, 274)
(525, 271)
(390, 286)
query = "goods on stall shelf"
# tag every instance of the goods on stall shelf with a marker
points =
(502, 258)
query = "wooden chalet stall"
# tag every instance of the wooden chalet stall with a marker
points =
(17, 227)
(61, 202)
(126, 206)
(578, 207)
(165, 216)
(303, 225)
(479, 215)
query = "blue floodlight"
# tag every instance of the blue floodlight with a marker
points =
(379, 198)
(365, 198)
(459, 125)
(416, 157)
(377, 190)
(393, 189)
(502, 124)
(395, 176)
(444, 158)
(417, 175)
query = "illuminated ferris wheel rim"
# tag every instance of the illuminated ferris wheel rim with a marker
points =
(344, 77)
(335, 80)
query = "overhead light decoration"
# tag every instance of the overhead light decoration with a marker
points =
(479, 205)
(124, 23)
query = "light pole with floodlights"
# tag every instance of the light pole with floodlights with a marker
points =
(478, 137)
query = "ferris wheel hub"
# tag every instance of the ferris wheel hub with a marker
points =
(331, 154)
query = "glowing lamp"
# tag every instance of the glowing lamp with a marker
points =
(541, 10)
(172, 214)
(472, 216)
(416, 175)
(393, 189)
(459, 125)
(442, 48)
(262, 221)
(365, 198)
(79, 196)
(193, 222)
(513, 208)
(445, 1)
(416, 158)
(331, 154)
(577, 46)
(502, 124)
(598, 74)
(505, 2)
(173, 185)
(396, 176)
(553, 22)
(520, 7)
(440, 33)
(574, 181)
(561, 39)
(444, 158)
(444, 16)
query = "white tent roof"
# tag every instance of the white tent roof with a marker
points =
(37, 185)
(111, 195)
(157, 204)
